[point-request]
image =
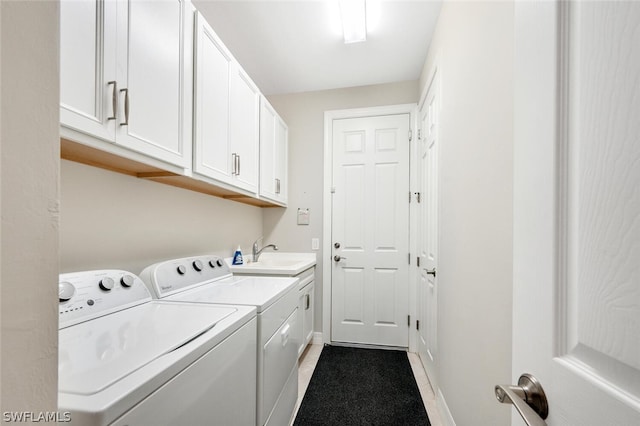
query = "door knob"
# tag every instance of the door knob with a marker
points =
(528, 398)
(338, 258)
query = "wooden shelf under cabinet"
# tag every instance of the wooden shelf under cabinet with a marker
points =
(90, 156)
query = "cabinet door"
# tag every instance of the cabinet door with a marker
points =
(152, 77)
(267, 150)
(87, 66)
(244, 129)
(281, 160)
(307, 328)
(211, 116)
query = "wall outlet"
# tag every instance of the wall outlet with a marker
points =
(315, 244)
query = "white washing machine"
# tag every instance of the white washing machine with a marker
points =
(125, 359)
(207, 279)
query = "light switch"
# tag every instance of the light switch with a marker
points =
(315, 244)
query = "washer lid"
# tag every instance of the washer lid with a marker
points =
(95, 354)
(260, 292)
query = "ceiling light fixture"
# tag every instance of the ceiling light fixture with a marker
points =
(354, 23)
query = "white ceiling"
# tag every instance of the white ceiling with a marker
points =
(290, 46)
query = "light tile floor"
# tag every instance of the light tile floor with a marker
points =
(309, 359)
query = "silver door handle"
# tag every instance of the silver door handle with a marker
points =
(430, 272)
(338, 258)
(114, 100)
(234, 160)
(528, 398)
(126, 107)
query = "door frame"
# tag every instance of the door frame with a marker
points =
(329, 116)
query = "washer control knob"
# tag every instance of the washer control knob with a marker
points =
(212, 263)
(197, 265)
(126, 281)
(219, 263)
(182, 270)
(66, 290)
(106, 283)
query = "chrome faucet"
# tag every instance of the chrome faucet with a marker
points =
(256, 251)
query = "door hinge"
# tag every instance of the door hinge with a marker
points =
(409, 197)
(418, 261)
(408, 320)
(419, 134)
(418, 325)
(418, 197)
(409, 256)
(410, 135)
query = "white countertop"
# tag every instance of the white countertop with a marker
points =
(274, 263)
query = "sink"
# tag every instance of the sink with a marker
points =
(275, 263)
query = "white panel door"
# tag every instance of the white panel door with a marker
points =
(211, 115)
(428, 230)
(152, 71)
(88, 67)
(244, 129)
(370, 230)
(576, 316)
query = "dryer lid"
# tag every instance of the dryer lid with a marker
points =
(96, 354)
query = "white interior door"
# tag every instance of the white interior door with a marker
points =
(370, 230)
(576, 316)
(428, 230)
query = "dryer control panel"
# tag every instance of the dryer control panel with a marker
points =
(169, 277)
(90, 294)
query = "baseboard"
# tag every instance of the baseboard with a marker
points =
(317, 338)
(443, 409)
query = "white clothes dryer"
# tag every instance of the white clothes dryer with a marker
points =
(207, 279)
(125, 359)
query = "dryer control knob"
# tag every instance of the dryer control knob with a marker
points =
(66, 290)
(212, 263)
(219, 263)
(106, 283)
(197, 265)
(127, 281)
(182, 270)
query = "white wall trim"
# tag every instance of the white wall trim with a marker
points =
(317, 338)
(443, 410)
(329, 116)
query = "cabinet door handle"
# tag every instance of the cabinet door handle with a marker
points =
(238, 165)
(234, 161)
(277, 186)
(114, 100)
(126, 107)
(307, 302)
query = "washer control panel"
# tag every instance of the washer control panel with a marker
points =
(89, 294)
(171, 276)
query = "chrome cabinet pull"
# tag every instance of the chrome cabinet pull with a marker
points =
(114, 100)
(238, 157)
(234, 167)
(126, 107)
(277, 186)
(528, 398)
(307, 301)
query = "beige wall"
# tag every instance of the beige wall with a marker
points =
(110, 220)
(473, 48)
(304, 114)
(29, 204)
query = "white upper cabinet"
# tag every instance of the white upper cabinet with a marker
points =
(273, 154)
(213, 62)
(226, 115)
(126, 74)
